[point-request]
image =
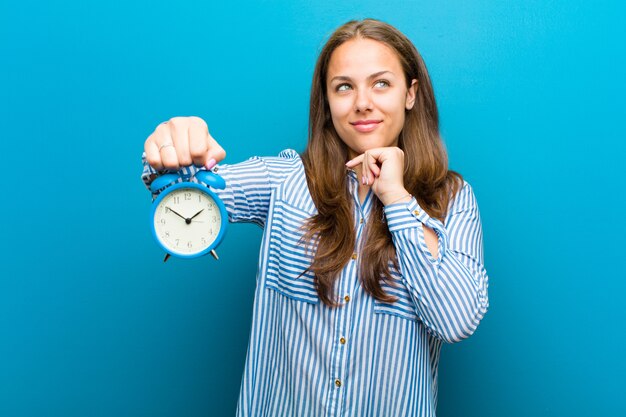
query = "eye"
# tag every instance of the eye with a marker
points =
(343, 87)
(381, 84)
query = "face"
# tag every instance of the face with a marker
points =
(367, 94)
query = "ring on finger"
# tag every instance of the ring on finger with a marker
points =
(165, 145)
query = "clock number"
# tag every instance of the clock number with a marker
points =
(189, 244)
(203, 240)
(177, 241)
(199, 198)
(176, 199)
(166, 234)
(167, 210)
(162, 220)
(187, 196)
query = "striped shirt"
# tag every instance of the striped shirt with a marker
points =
(365, 357)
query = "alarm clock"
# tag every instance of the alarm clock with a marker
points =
(187, 219)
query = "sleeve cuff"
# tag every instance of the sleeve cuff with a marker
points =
(402, 217)
(406, 215)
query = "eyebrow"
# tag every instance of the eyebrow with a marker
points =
(346, 78)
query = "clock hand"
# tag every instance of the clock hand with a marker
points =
(179, 215)
(196, 214)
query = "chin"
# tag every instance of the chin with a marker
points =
(363, 142)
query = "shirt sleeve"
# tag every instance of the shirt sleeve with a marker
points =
(249, 184)
(450, 291)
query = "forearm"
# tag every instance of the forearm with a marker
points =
(249, 184)
(430, 236)
(448, 286)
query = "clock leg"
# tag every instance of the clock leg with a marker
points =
(167, 256)
(214, 254)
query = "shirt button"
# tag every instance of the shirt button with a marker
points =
(361, 221)
(354, 255)
(416, 212)
(342, 341)
(346, 298)
(337, 383)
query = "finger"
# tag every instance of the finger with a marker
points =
(366, 177)
(375, 152)
(167, 149)
(179, 128)
(385, 154)
(198, 143)
(152, 153)
(368, 162)
(370, 168)
(215, 154)
(372, 165)
(355, 161)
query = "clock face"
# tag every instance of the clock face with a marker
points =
(187, 221)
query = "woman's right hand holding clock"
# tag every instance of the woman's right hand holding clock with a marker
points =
(181, 142)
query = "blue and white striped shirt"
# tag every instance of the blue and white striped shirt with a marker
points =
(366, 357)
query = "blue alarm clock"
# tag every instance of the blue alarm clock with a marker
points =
(188, 220)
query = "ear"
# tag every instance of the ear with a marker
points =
(411, 94)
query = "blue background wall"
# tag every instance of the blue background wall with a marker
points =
(92, 323)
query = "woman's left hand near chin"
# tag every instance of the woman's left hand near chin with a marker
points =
(383, 170)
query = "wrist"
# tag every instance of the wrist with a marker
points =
(400, 196)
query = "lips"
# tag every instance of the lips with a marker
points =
(365, 126)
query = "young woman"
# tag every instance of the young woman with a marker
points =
(372, 249)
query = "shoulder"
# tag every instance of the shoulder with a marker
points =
(287, 160)
(463, 200)
(283, 167)
(289, 179)
(277, 168)
(284, 171)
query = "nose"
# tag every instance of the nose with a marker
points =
(362, 101)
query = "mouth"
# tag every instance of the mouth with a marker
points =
(365, 126)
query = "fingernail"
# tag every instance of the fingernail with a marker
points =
(363, 180)
(211, 163)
